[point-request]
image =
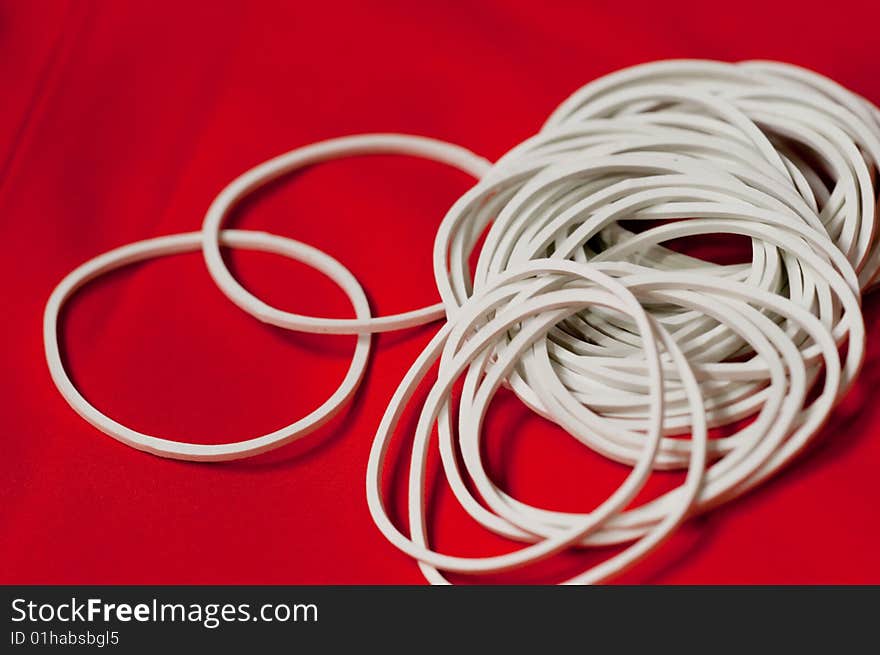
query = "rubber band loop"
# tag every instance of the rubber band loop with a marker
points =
(188, 242)
(368, 144)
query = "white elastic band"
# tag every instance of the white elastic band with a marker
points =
(366, 144)
(179, 243)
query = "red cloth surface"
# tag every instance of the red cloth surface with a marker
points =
(121, 121)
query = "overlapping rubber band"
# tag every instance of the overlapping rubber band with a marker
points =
(209, 240)
(635, 349)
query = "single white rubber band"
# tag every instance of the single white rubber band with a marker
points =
(188, 242)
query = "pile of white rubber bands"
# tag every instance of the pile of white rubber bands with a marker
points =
(636, 350)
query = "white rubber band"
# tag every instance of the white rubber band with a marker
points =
(180, 243)
(365, 144)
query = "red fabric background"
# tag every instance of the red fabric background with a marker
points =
(121, 121)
